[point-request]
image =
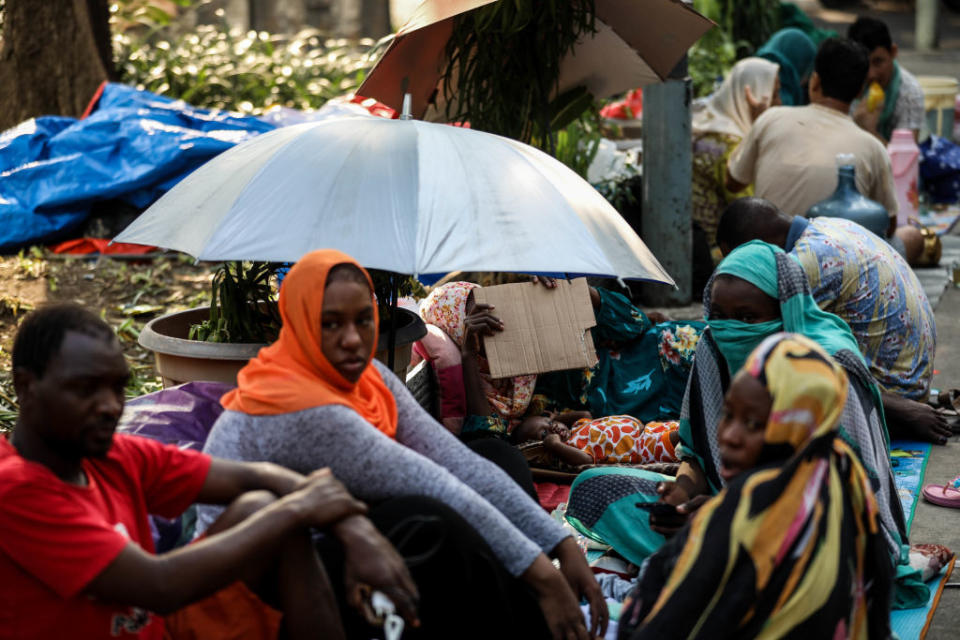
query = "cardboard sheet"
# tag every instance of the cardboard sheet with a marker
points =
(544, 330)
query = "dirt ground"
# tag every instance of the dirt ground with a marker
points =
(125, 293)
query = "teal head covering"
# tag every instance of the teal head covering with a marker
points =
(756, 262)
(795, 52)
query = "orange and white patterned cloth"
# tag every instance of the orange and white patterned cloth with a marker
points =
(624, 439)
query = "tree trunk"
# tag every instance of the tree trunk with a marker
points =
(54, 56)
(376, 19)
(278, 16)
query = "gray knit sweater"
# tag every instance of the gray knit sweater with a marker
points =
(425, 460)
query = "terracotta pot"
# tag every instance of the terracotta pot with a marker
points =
(180, 360)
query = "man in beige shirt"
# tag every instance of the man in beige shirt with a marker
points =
(790, 153)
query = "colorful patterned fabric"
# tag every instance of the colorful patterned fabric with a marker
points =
(603, 507)
(446, 307)
(710, 196)
(720, 122)
(624, 439)
(862, 424)
(793, 547)
(940, 170)
(642, 368)
(859, 277)
(757, 262)
(493, 425)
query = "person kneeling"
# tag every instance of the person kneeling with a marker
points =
(792, 545)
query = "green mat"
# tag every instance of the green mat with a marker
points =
(909, 462)
(912, 624)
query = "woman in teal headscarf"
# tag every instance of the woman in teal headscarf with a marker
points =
(794, 51)
(757, 291)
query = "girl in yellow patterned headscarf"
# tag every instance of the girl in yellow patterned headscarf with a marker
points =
(792, 545)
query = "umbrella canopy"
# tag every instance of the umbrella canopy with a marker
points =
(400, 195)
(637, 42)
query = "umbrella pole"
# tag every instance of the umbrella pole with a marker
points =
(392, 336)
(394, 282)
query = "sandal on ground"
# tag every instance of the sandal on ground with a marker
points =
(947, 405)
(949, 399)
(947, 495)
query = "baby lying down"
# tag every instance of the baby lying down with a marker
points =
(575, 438)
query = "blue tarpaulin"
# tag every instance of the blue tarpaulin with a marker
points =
(133, 147)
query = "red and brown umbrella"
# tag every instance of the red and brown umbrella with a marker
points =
(636, 43)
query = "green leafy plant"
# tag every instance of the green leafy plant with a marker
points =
(750, 23)
(243, 305)
(245, 72)
(503, 65)
(248, 72)
(148, 15)
(577, 143)
(746, 23)
(711, 57)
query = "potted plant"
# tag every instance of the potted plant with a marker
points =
(214, 342)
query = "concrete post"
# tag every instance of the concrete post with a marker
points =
(927, 31)
(667, 179)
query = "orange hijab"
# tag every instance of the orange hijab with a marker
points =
(292, 374)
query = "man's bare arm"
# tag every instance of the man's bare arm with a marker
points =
(168, 582)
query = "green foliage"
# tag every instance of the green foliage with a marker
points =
(750, 23)
(215, 68)
(243, 306)
(147, 14)
(577, 142)
(745, 23)
(743, 26)
(503, 64)
(709, 61)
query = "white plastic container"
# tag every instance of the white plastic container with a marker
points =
(939, 100)
(905, 162)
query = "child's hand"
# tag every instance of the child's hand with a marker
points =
(552, 439)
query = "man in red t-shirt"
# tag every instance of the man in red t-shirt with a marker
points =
(76, 553)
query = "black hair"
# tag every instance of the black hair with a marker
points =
(41, 333)
(745, 219)
(842, 66)
(871, 33)
(348, 272)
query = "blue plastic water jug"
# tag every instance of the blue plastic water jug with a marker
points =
(848, 203)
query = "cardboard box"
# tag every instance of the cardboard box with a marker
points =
(544, 329)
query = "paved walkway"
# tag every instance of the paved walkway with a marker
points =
(932, 523)
(935, 281)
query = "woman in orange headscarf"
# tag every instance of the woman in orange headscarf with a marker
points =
(316, 398)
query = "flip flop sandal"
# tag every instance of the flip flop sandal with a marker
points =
(943, 495)
(949, 399)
